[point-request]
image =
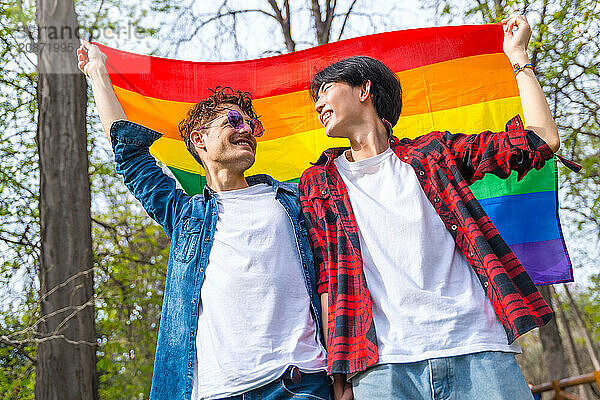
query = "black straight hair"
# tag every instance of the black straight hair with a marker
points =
(385, 86)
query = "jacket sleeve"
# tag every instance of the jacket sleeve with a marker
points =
(316, 235)
(498, 153)
(157, 192)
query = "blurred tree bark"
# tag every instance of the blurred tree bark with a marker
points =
(583, 328)
(66, 353)
(572, 354)
(554, 354)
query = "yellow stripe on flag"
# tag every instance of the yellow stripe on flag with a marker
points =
(294, 152)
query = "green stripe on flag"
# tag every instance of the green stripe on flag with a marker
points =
(193, 183)
(534, 181)
(190, 182)
(490, 186)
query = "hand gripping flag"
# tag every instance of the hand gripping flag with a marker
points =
(453, 78)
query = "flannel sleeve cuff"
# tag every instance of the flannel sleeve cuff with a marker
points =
(127, 132)
(531, 150)
(322, 286)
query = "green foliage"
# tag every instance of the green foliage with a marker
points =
(131, 261)
(17, 375)
(130, 251)
(589, 302)
(19, 228)
(17, 370)
(18, 161)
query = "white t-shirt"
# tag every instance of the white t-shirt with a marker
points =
(427, 300)
(255, 317)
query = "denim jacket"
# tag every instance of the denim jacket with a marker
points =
(190, 224)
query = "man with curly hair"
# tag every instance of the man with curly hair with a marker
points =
(240, 317)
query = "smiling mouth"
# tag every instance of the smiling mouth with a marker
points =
(244, 143)
(326, 116)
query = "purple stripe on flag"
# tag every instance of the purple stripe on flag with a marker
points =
(556, 267)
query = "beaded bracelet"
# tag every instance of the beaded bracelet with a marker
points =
(518, 68)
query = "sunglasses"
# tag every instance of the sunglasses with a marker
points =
(236, 120)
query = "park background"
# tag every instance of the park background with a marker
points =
(71, 234)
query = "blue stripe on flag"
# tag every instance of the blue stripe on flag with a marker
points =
(524, 218)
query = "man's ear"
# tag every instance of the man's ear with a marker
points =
(365, 90)
(197, 139)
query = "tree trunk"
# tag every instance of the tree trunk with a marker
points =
(554, 355)
(285, 23)
(66, 354)
(498, 8)
(323, 25)
(572, 350)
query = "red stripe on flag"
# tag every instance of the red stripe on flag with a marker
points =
(401, 50)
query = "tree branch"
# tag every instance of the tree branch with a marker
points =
(284, 23)
(346, 16)
(17, 345)
(540, 33)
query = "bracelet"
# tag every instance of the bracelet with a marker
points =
(517, 68)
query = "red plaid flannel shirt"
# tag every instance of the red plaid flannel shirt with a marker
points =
(445, 165)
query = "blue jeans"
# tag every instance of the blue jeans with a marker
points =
(489, 375)
(311, 387)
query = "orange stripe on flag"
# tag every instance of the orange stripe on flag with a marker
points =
(446, 85)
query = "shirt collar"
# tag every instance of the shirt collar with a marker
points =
(331, 154)
(254, 180)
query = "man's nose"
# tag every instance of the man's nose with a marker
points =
(319, 105)
(246, 128)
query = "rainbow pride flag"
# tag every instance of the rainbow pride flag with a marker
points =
(454, 78)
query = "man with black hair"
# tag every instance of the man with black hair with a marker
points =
(240, 316)
(424, 299)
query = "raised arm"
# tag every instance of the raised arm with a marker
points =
(92, 62)
(536, 113)
(157, 192)
(524, 144)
